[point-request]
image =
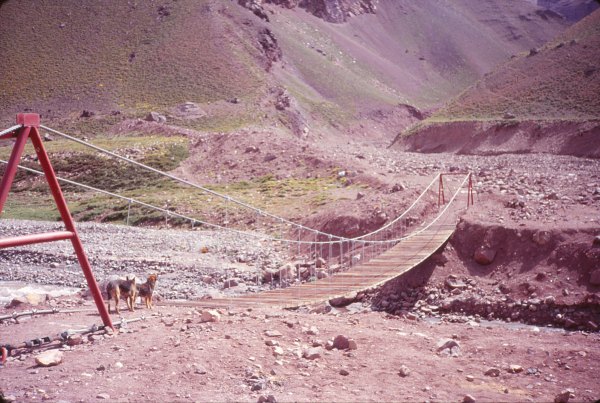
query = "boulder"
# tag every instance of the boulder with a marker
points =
(484, 256)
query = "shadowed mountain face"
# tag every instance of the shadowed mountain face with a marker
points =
(336, 60)
(572, 10)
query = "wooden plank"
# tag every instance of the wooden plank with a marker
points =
(399, 259)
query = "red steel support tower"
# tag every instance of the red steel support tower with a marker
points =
(30, 123)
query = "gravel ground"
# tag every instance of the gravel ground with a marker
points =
(176, 255)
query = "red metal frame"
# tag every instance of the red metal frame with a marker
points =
(29, 130)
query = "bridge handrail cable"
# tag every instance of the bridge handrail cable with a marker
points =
(240, 232)
(233, 200)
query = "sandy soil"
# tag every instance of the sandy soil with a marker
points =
(175, 357)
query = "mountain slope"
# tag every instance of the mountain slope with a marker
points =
(559, 80)
(64, 57)
(544, 100)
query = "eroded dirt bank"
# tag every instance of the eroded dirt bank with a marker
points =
(537, 275)
(506, 136)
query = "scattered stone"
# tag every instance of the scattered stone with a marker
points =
(199, 369)
(155, 117)
(312, 331)
(541, 237)
(564, 396)
(74, 340)
(359, 195)
(493, 372)
(341, 301)
(341, 342)
(231, 282)
(484, 256)
(596, 241)
(470, 378)
(509, 115)
(267, 399)
(515, 369)
(49, 358)
(452, 282)
(273, 333)
(398, 187)
(404, 371)
(271, 343)
(210, 315)
(48, 137)
(16, 302)
(468, 399)
(595, 277)
(87, 114)
(269, 158)
(411, 316)
(344, 372)
(448, 347)
(277, 350)
(312, 353)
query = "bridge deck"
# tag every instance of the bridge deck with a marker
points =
(390, 264)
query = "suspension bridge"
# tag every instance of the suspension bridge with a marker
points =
(363, 262)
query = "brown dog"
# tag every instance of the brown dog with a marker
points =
(146, 290)
(125, 289)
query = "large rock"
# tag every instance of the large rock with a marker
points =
(541, 237)
(312, 353)
(49, 358)
(210, 315)
(155, 117)
(484, 255)
(564, 396)
(16, 302)
(448, 347)
(285, 272)
(595, 277)
(342, 301)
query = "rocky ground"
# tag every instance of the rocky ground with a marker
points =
(514, 294)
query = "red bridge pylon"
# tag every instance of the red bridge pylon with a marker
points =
(30, 123)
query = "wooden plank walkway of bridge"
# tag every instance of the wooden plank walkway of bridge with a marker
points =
(396, 261)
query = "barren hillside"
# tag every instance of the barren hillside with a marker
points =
(139, 56)
(543, 100)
